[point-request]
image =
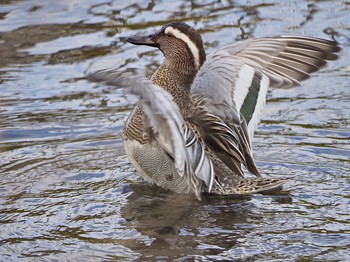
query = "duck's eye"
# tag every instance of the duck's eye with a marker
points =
(170, 35)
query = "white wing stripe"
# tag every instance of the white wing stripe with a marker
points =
(245, 78)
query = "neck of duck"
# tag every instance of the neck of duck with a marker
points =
(177, 80)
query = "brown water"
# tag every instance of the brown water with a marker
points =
(67, 190)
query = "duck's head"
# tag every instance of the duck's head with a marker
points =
(181, 45)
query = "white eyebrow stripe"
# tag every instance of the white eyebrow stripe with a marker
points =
(178, 34)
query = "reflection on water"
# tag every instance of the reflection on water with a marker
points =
(67, 190)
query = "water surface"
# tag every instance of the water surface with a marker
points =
(69, 193)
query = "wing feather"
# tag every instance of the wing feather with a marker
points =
(284, 60)
(234, 80)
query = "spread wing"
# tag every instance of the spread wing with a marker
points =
(163, 117)
(234, 80)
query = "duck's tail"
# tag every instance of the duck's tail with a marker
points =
(244, 186)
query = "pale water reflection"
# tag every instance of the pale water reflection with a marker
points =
(67, 190)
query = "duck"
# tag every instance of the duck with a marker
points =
(191, 129)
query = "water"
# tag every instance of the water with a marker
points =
(67, 190)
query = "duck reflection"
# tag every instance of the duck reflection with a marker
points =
(180, 226)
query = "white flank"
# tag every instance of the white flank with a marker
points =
(244, 81)
(254, 121)
(178, 34)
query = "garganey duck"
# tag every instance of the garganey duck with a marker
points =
(191, 130)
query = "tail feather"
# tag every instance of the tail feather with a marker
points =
(247, 186)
